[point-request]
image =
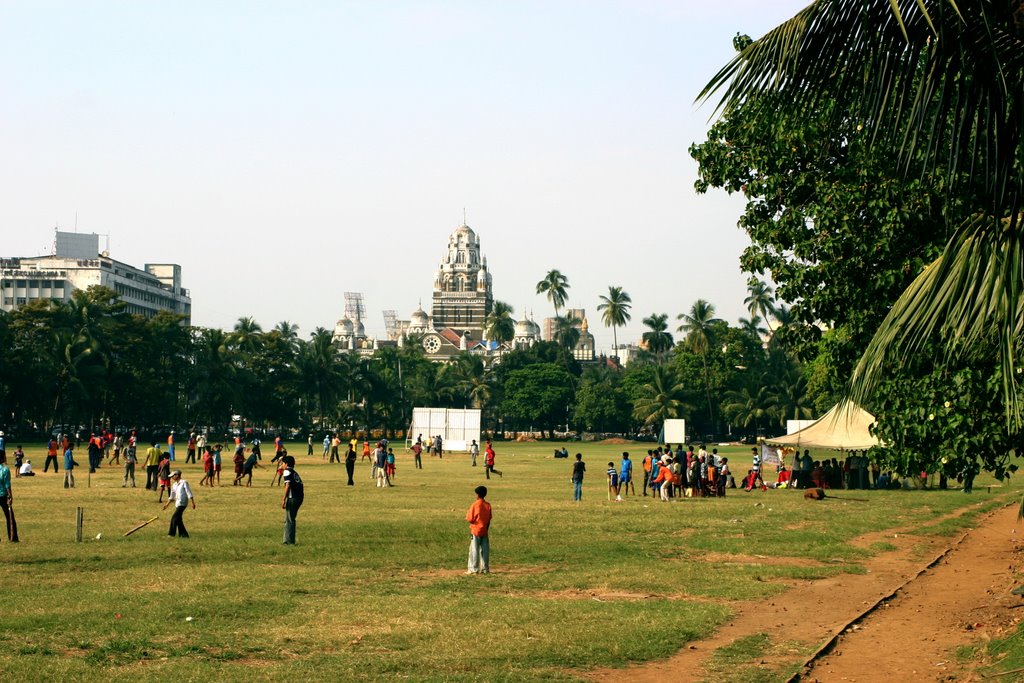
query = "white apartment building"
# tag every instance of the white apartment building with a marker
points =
(77, 264)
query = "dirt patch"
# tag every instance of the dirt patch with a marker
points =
(812, 612)
(434, 574)
(614, 441)
(599, 595)
(738, 559)
(962, 600)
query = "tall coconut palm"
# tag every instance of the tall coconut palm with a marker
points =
(499, 325)
(662, 398)
(658, 339)
(289, 332)
(940, 83)
(759, 301)
(555, 287)
(698, 326)
(246, 335)
(615, 312)
(753, 327)
(567, 332)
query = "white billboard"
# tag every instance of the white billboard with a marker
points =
(456, 426)
(673, 431)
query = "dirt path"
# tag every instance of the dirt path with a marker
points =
(813, 612)
(962, 600)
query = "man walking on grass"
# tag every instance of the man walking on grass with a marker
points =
(181, 495)
(479, 518)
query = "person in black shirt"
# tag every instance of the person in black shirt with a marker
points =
(293, 495)
(578, 468)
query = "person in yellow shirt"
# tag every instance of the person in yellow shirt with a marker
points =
(153, 457)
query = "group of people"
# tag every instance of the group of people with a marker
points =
(669, 474)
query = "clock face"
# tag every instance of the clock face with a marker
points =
(431, 344)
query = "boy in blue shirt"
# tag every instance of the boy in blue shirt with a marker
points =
(626, 474)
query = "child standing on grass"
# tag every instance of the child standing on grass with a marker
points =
(216, 464)
(391, 463)
(207, 459)
(279, 475)
(479, 518)
(163, 475)
(626, 474)
(613, 482)
(19, 459)
(579, 468)
(239, 461)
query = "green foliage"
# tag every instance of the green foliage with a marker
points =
(538, 395)
(601, 403)
(945, 418)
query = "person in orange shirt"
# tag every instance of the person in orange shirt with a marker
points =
(479, 518)
(665, 479)
(647, 471)
(366, 451)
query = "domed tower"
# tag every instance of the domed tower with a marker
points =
(462, 288)
(343, 332)
(584, 350)
(524, 335)
(419, 322)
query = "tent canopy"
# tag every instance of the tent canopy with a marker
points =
(845, 427)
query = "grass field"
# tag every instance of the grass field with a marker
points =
(376, 587)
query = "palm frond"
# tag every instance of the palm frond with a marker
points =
(972, 293)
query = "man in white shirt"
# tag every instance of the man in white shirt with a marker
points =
(26, 469)
(181, 494)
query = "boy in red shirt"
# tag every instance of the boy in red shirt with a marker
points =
(479, 518)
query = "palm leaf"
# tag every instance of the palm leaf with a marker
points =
(972, 294)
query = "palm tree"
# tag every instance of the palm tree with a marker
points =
(499, 325)
(759, 301)
(320, 370)
(662, 398)
(658, 339)
(615, 314)
(289, 332)
(698, 326)
(555, 286)
(792, 402)
(567, 332)
(939, 83)
(215, 374)
(246, 335)
(748, 407)
(753, 327)
(784, 319)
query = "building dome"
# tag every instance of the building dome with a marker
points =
(524, 328)
(419, 318)
(358, 330)
(343, 328)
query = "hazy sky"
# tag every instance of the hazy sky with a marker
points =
(286, 152)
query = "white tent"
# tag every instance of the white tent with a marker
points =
(846, 427)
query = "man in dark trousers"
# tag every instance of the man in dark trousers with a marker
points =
(7, 500)
(293, 495)
(181, 495)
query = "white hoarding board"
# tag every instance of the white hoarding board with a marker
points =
(674, 432)
(456, 426)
